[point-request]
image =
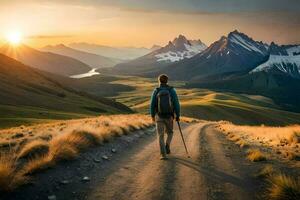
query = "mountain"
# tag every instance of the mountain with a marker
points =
(93, 60)
(178, 49)
(283, 59)
(122, 53)
(233, 53)
(237, 63)
(26, 94)
(45, 61)
(155, 47)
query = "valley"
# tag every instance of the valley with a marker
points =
(209, 104)
(28, 95)
(74, 119)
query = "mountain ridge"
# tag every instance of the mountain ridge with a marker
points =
(93, 60)
(46, 61)
(178, 49)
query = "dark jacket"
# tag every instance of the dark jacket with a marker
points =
(174, 97)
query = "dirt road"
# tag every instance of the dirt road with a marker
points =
(217, 169)
(208, 174)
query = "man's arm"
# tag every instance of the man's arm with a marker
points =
(176, 103)
(153, 104)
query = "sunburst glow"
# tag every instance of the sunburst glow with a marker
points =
(14, 38)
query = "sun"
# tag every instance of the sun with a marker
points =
(14, 37)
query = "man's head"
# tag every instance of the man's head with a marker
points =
(163, 78)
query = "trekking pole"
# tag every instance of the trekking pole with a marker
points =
(183, 139)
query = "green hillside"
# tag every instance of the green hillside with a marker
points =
(100, 85)
(210, 105)
(28, 96)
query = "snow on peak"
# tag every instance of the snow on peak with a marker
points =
(295, 50)
(284, 63)
(246, 42)
(180, 48)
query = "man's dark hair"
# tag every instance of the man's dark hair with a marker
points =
(163, 78)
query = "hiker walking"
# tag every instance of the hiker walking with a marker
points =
(164, 107)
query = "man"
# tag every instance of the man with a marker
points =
(164, 107)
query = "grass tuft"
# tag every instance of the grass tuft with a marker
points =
(34, 148)
(66, 147)
(266, 172)
(9, 177)
(255, 155)
(283, 187)
(38, 164)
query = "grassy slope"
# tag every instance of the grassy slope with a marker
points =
(99, 85)
(45, 61)
(210, 105)
(27, 96)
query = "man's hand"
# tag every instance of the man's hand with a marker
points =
(153, 119)
(177, 119)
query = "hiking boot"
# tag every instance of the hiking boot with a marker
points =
(168, 151)
(163, 158)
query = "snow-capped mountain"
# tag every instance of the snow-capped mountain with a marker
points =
(240, 41)
(283, 59)
(180, 48)
(233, 53)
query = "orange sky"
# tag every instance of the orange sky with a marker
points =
(53, 23)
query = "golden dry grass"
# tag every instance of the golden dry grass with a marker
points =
(10, 178)
(34, 148)
(50, 143)
(255, 155)
(282, 141)
(288, 134)
(38, 164)
(283, 187)
(266, 172)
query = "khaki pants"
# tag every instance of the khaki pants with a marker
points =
(164, 125)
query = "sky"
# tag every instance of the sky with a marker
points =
(143, 23)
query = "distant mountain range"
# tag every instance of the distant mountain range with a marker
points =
(46, 61)
(179, 49)
(93, 60)
(123, 53)
(235, 62)
(235, 53)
